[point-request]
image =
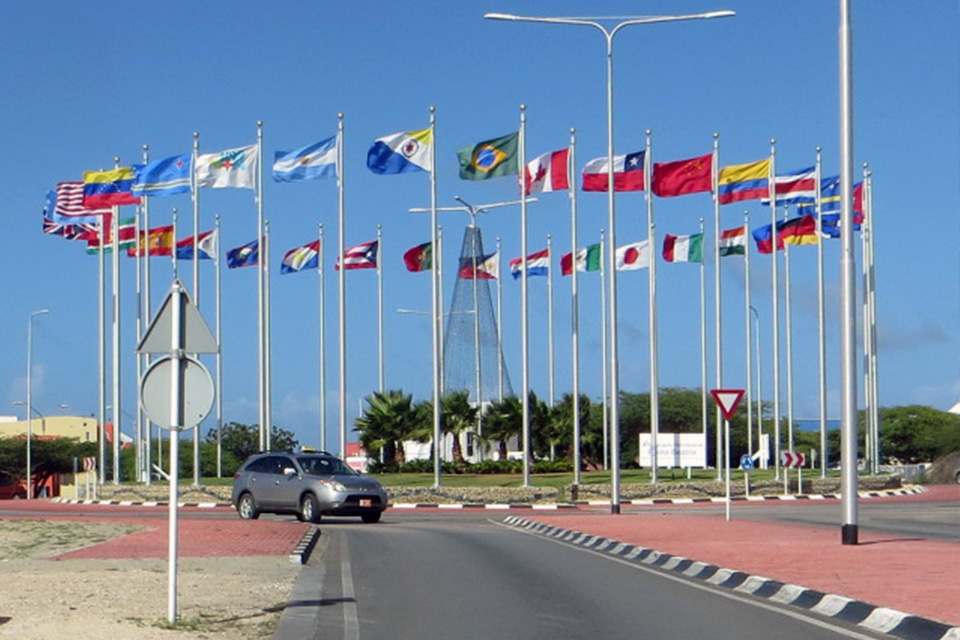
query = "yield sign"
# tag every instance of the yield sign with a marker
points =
(728, 400)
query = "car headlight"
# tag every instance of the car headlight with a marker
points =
(333, 485)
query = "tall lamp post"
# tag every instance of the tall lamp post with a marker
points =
(33, 314)
(609, 33)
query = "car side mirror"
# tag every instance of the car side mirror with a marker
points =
(289, 471)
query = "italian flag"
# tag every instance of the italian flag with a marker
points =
(588, 259)
(733, 242)
(683, 248)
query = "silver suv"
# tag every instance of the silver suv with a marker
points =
(307, 484)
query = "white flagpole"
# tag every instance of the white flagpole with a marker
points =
(749, 335)
(380, 307)
(322, 293)
(821, 321)
(196, 293)
(115, 355)
(219, 355)
(436, 305)
(499, 326)
(341, 285)
(575, 304)
(868, 400)
(604, 355)
(704, 413)
(524, 311)
(138, 360)
(441, 337)
(550, 363)
(788, 328)
(868, 225)
(147, 429)
(268, 334)
(774, 236)
(261, 328)
(102, 356)
(718, 335)
(652, 309)
(477, 372)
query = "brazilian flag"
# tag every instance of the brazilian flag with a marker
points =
(490, 158)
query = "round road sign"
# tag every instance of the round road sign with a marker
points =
(197, 393)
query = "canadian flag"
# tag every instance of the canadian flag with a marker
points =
(547, 173)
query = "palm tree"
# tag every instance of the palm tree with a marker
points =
(388, 419)
(458, 415)
(501, 421)
(561, 424)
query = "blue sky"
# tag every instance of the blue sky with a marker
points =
(86, 82)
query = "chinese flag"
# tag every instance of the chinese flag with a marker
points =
(683, 176)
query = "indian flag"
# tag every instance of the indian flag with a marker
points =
(683, 248)
(733, 242)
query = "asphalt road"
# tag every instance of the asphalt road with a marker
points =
(467, 577)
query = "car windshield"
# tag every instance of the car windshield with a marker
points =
(321, 466)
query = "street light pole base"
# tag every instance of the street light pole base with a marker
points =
(849, 534)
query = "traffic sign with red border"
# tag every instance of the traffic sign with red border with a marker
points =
(728, 400)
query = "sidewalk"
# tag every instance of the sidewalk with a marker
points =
(914, 576)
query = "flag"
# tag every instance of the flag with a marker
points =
(126, 235)
(538, 264)
(588, 259)
(67, 231)
(230, 168)
(683, 248)
(488, 268)
(247, 255)
(733, 242)
(627, 173)
(830, 199)
(305, 257)
(158, 242)
(419, 258)
(490, 158)
(761, 235)
(740, 182)
(794, 187)
(69, 208)
(206, 244)
(108, 188)
(318, 160)
(633, 256)
(548, 173)
(683, 176)
(796, 231)
(361, 256)
(404, 152)
(166, 177)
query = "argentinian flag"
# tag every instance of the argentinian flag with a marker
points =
(315, 161)
(404, 152)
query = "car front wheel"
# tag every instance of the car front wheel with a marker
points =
(247, 507)
(309, 509)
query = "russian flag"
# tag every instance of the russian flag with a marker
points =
(538, 264)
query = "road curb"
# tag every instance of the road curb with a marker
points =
(872, 617)
(301, 554)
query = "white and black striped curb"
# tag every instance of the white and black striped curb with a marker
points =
(302, 552)
(144, 503)
(884, 493)
(483, 505)
(879, 619)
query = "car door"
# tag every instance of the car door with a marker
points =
(265, 481)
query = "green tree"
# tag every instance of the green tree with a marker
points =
(458, 415)
(242, 440)
(915, 433)
(388, 419)
(47, 457)
(501, 421)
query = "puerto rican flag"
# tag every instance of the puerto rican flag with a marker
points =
(361, 256)
(538, 264)
(548, 173)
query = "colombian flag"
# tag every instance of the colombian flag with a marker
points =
(744, 182)
(109, 188)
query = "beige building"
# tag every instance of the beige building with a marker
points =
(79, 427)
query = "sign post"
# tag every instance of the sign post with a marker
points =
(790, 459)
(728, 400)
(176, 393)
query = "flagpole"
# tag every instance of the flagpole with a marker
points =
(868, 400)
(173, 258)
(102, 359)
(261, 356)
(268, 334)
(499, 326)
(219, 355)
(524, 311)
(380, 307)
(716, 295)
(652, 310)
(147, 429)
(436, 306)
(550, 363)
(138, 360)
(603, 357)
(341, 285)
(196, 293)
(749, 335)
(704, 412)
(868, 225)
(575, 304)
(774, 236)
(115, 355)
(441, 338)
(322, 308)
(788, 328)
(477, 372)
(821, 321)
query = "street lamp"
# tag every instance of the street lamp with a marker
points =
(763, 456)
(33, 314)
(609, 34)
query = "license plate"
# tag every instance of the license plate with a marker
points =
(366, 502)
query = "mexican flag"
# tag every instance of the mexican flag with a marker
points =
(588, 259)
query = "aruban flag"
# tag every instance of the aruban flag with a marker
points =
(109, 188)
(631, 257)
(230, 168)
(419, 258)
(166, 177)
(361, 256)
(740, 182)
(538, 264)
(683, 176)
(69, 208)
(795, 187)
(548, 173)
(247, 255)
(796, 231)
(683, 248)
(488, 267)
(126, 236)
(627, 173)
(490, 158)
(733, 242)
(305, 257)
(206, 244)
(588, 259)
(158, 242)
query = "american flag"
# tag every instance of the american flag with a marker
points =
(69, 208)
(361, 256)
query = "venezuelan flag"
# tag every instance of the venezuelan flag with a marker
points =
(109, 188)
(739, 182)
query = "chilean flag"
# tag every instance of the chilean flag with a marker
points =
(548, 173)
(627, 173)
(538, 264)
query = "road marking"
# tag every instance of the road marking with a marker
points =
(351, 622)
